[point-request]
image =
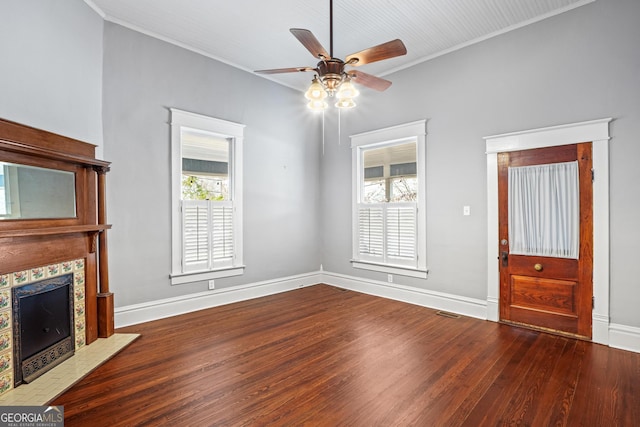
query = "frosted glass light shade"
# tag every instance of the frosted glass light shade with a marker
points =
(345, 103)
(316, 91)
(347, 90)
(317, 104)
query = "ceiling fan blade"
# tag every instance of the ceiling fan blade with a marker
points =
(310, 41)
(377, 53)
(285, 70)
(369, 80)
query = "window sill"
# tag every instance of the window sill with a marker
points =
(199, 276)
(391, 269)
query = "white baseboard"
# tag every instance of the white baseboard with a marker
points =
(614, 335)
(159, 309)
(624, 337)
(437, 300)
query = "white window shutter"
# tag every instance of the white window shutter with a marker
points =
(371, 231)
(195, 236)
(401, 232)
(387, 232)
(207, 239)
(222, 233)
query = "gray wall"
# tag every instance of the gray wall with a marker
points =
(578, 66)
(581, 65)
(51, 67)
(143, 77)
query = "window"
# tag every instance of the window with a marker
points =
(389, 200)
(206, 197)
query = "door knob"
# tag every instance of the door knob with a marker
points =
(538, 267)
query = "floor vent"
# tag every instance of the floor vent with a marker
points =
(447, 314)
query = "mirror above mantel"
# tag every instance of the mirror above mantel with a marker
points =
(30, 192)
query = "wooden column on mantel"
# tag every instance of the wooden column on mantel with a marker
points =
(105, 297)
(36, 242)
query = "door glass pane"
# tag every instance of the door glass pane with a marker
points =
(544, 210)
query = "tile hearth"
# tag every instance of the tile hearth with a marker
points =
(62, 377)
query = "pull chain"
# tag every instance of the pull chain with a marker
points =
(339, 125)
(322, 133)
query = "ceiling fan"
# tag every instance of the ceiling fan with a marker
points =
(331, 77)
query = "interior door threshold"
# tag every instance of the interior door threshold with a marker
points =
(546, 330)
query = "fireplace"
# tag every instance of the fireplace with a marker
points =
(13, 286)
(43, 330)
(53, 223)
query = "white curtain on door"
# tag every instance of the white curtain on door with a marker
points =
(544, 210)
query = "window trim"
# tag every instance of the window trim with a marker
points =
(385, 137)
(225, 129)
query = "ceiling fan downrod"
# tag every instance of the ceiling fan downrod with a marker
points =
(331, 28)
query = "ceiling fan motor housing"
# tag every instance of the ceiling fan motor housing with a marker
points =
(331, 73)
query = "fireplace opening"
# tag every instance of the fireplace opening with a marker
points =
(43, 326)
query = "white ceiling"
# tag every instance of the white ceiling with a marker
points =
(254, 34)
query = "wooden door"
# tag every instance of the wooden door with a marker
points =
(550, 293)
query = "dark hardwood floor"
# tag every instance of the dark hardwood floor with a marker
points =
(321, 356)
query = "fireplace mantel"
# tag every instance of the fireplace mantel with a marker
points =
(36, 242)
(55, 230)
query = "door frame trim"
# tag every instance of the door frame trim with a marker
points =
(595, 131)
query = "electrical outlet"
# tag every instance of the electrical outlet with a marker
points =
(466, 210)
(212, 284)
(390, 278)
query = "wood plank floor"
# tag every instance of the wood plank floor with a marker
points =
(321, 356)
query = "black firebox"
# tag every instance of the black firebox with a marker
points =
(43, 331)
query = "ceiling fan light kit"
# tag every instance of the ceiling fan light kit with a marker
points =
(331, 79)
